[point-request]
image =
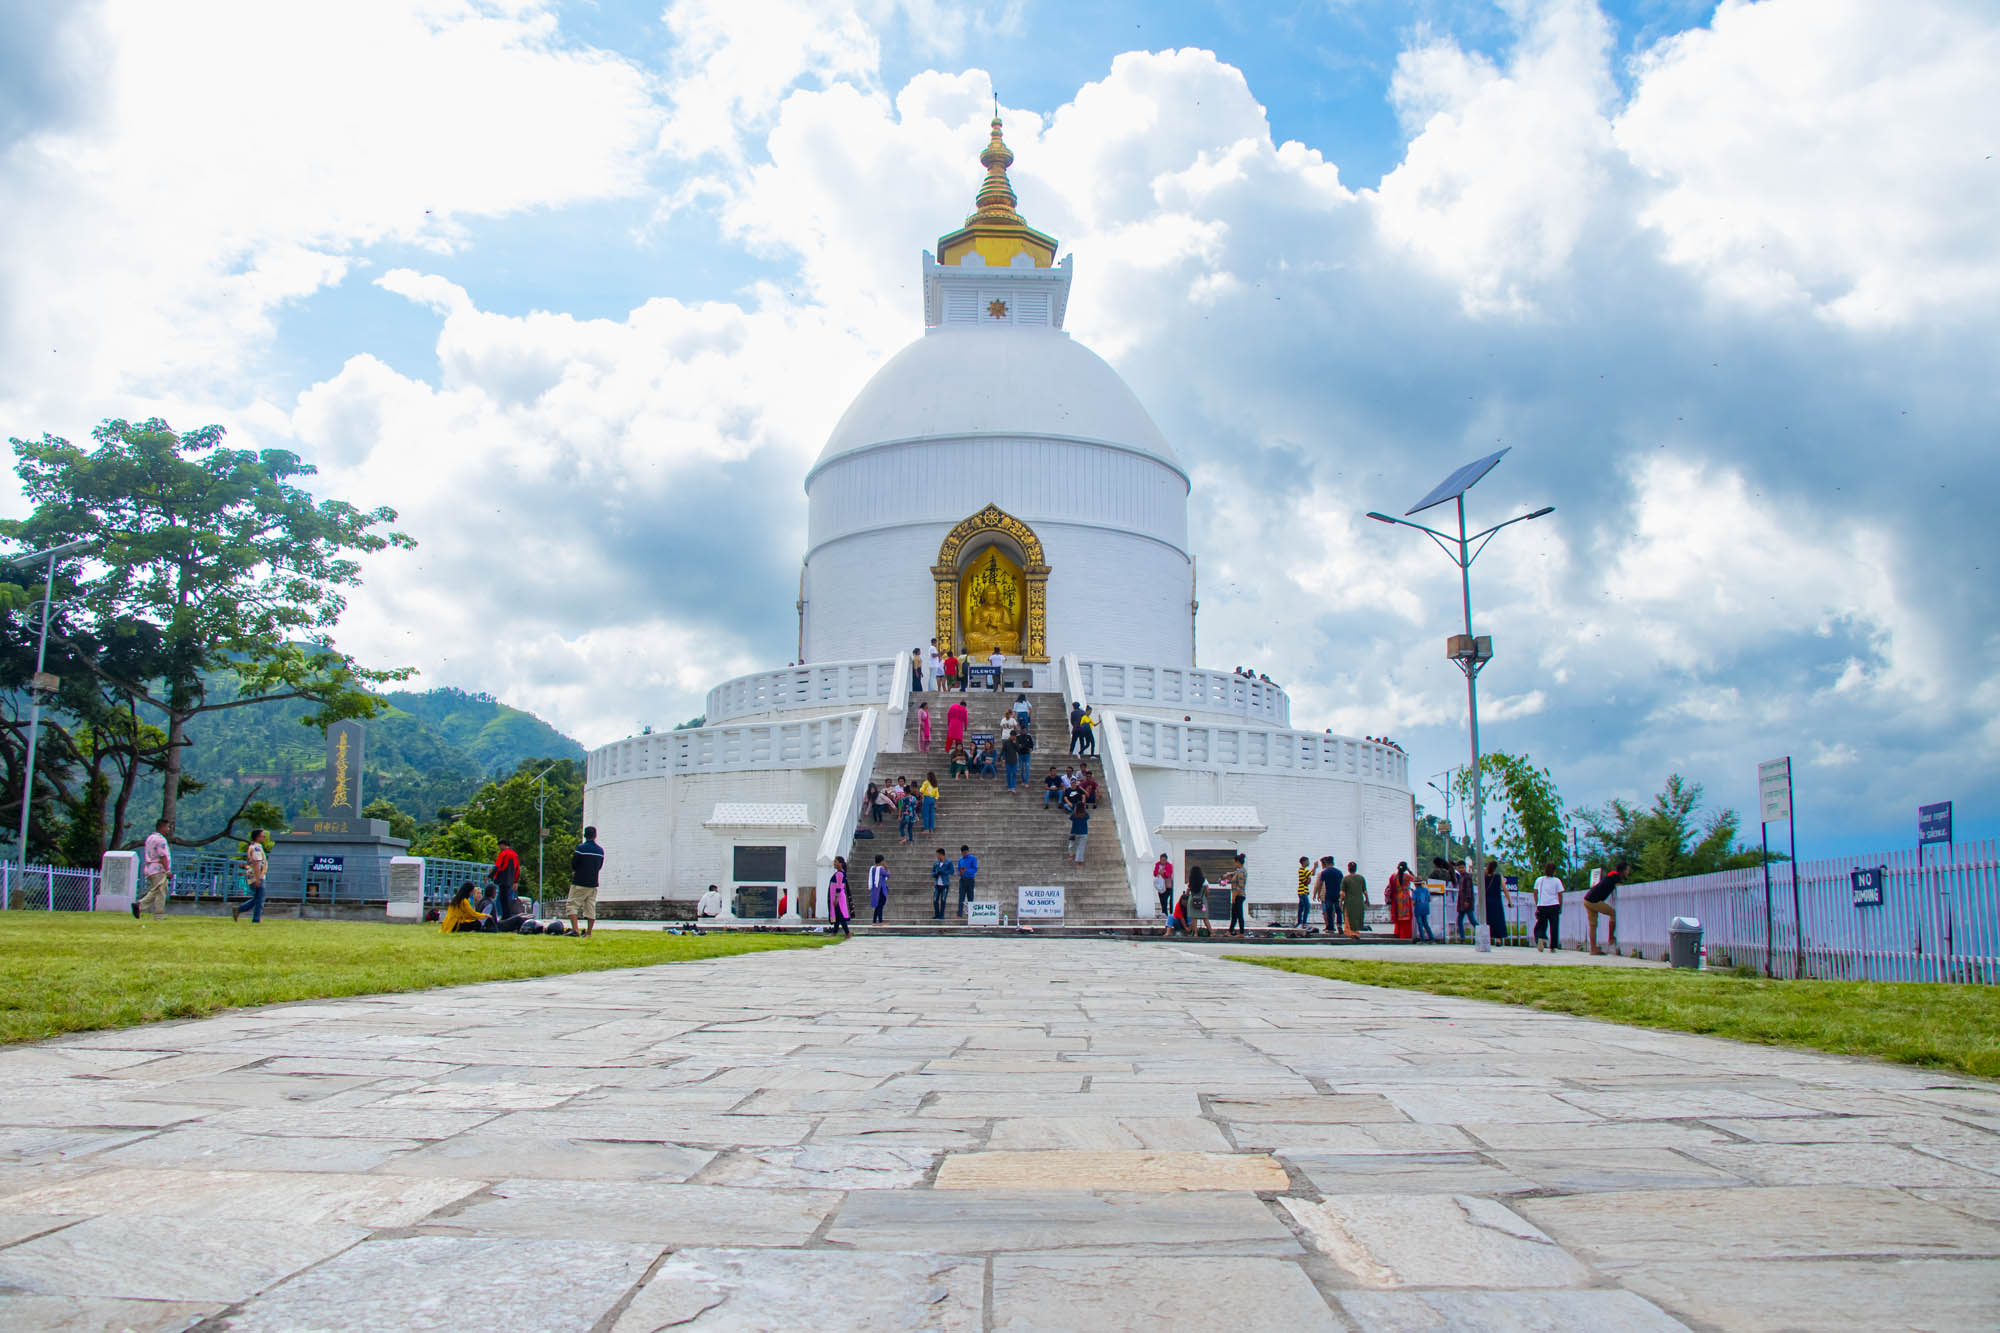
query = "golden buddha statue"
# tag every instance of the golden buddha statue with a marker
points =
(993, 606)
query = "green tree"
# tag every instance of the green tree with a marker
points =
(400, 825)
(506, 808)
(266, 815)
(1530, 831)
(1432, 841)
(456, 841)
(202, 560)
(1669, 839)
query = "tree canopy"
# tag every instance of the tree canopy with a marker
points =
(1531, 831)
(203, 562)
(1668, 839)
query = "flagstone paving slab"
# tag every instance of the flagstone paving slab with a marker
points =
(906, 1133)
(1111, 1171)
(448, 1282)
(1059, 1292)
(70, 1314)
(168, 1258)
(1504, 1311)
(1426, 1240)
(802, 1289)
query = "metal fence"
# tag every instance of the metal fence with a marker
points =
(47, 888)
(1938, 921)
(215, 877)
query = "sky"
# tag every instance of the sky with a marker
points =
(580, 288)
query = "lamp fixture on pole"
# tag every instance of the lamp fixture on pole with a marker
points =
(42, 683)
(1471, 652)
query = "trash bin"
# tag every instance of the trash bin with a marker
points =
(1684, 942)
(1482, 939)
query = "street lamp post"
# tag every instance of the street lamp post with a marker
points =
(541, 828)
(1445, 791)
(41, 683)
(1470, 652)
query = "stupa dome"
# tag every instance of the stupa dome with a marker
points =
(983, 381)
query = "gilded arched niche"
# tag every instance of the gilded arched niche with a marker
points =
(986, 596)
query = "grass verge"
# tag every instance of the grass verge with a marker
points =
(69, 972)
(1939, 1026)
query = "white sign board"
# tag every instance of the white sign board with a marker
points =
(1774, 791)
(982, 913)
(1041, 901)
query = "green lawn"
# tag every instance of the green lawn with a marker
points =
(1942, 1026)
(72, 972)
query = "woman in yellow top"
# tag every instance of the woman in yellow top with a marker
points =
(460, 914)
(929, 794)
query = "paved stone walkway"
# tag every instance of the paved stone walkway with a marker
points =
(978, 1134)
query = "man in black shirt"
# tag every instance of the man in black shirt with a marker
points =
(1597, 903)
(584, 865)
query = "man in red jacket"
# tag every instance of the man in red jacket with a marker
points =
(505, 874)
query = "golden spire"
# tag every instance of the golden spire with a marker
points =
(995, 230)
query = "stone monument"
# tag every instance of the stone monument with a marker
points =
(340, 857)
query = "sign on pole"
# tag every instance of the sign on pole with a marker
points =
(1774, 790)
(1868, 887)
(978, 913)
(328, 865)
(1934, 824)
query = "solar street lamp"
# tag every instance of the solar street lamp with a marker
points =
(1471, 652)
(42, 682)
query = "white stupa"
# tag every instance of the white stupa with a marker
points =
(995, 487)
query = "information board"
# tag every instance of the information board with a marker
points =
(982, 677)
(1774, 790)
(982, 913)
(1934, 824)
(1041, 901)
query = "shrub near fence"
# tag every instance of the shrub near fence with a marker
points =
(1937, 922)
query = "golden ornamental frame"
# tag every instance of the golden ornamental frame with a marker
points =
(1034, 569)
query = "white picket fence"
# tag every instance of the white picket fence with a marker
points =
(1937, 922)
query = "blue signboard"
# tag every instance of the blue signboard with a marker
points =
(1934, 823)
(1868, 887)
(328, 865)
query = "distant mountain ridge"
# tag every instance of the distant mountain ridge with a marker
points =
(429, 749)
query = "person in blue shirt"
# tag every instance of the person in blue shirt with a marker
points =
(968, 870)
(1079, 831)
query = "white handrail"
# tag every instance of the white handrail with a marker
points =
(1160, 743)
(1134, 837)
(807, 742)
(895, 722)
(1132, 827)
(1191, 689)
(845, 811)
(812, 685)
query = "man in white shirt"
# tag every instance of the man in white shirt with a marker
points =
(1548, 908)
(157, 863)
(933, 666)
(998, 661)
(710, 905)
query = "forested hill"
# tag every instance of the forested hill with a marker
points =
(429, 749)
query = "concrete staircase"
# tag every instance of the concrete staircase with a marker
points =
(1017, 840)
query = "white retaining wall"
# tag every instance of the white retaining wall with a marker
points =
(654, 842)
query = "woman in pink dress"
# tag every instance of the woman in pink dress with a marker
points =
(924, 727)
(954, 724)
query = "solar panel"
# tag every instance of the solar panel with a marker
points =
(1458, 483)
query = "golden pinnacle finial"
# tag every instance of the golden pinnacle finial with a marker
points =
(995, 230)
(996, 193)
